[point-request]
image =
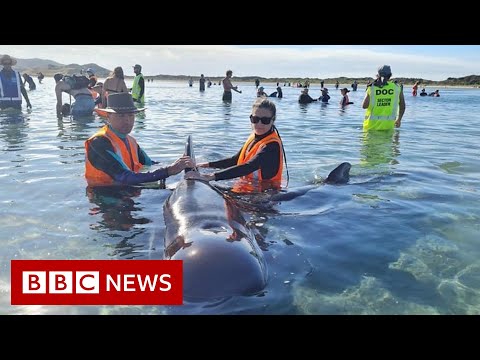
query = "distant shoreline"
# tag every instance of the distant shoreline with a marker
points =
(313, 83)
(273, 84)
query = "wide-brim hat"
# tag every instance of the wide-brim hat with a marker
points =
(121, 103)
(7, 59)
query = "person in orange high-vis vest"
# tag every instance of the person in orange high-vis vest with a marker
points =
(113, 157)
(259, 163)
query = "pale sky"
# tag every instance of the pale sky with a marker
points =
(432, 62)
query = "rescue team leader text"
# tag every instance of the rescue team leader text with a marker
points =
(96, 282)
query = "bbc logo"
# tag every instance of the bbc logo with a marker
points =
(96, 282)
(61, 282)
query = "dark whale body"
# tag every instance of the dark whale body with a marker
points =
(206, 230)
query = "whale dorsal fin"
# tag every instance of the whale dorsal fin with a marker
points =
(189, 152)
(340, 175)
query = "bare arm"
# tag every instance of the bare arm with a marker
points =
(366, 100)
(401, 110)
(25, 95)
(58, 93)
(227, 86)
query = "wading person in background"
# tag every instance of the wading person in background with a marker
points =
(11, 85)
(77, 87)
(228, 87)
(138, 87)
(113, 84)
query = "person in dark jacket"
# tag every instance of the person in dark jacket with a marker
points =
(305, 98)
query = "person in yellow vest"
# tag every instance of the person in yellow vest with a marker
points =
(259, 161)
(384, 102)
(138, 87)
(113, 157)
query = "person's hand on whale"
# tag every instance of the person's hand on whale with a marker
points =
(195, 175)
(180, 164)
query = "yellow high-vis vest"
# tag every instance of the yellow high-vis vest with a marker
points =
(383, 108)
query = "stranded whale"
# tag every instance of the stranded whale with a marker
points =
(206, 230)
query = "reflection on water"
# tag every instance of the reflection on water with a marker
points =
(117, 207)
(115, 211)
(140, 123)
(13, 130)
(405, 243)
(78, 128)
(303, 108)
(227, 108)
(380, 147)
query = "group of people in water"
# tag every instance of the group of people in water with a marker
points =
(259, 161)
(113, 156)
(305, 97)
(435, 93)
(89, 93)
(278, 93)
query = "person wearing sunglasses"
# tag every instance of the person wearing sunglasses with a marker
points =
(259, 161)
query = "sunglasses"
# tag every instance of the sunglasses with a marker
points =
(264, 120)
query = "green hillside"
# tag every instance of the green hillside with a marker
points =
(50, 67)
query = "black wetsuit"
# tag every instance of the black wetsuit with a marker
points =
(324, 98)
(92, 81)
(31, 83)
(268, 160)
(305, 99)
(101, 156)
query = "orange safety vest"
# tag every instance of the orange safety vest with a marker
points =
(254, 180)
(129, 156)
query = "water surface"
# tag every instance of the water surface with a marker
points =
(400, 238)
